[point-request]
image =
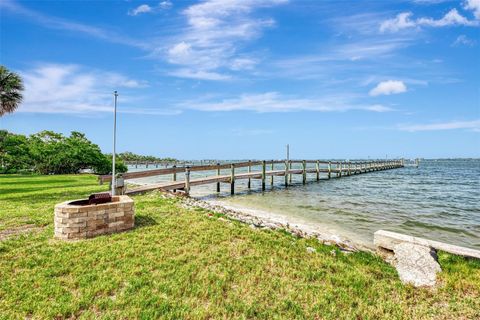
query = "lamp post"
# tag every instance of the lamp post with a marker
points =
(114, 180)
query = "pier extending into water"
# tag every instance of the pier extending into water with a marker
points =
(267, 169)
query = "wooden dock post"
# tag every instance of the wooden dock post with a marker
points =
(263, 174)
(286, 173)
(174, 176)
(289, 174)
(271, 181)
(187, 180)
(218, 173)
(349, 171)
(232, 179)
(304, 173)
(339, 166)
(329, 169)
(317, 168)
(249, 184)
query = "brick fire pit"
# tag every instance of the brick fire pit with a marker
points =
(80, 220)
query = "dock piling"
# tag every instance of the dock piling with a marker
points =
(263, 174)
(272, 168)
(174, 176)
(232, 179)
(289, 174)
(249, 183)
(187, 180)
(286, 173)
(304, 173)
(218, 174)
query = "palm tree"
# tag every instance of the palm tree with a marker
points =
(11, 88)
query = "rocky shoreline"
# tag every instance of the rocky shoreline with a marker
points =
(273, 223)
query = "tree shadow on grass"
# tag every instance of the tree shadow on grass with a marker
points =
(144, 221)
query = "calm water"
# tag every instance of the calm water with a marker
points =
(439, 200)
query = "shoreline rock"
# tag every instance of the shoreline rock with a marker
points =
(272, 224)
(416, 264)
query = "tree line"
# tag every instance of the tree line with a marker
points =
(130, 156)
(48, 152)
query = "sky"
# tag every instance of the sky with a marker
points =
(238, 79)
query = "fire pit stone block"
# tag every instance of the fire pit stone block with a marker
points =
(87, 221)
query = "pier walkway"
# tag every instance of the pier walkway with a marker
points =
(317, 167)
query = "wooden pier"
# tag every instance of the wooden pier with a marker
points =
(317, 167)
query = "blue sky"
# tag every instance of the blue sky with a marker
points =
(231, 79)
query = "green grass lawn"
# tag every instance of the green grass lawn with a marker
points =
(180, 263)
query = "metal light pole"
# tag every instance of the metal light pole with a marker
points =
(114, 180)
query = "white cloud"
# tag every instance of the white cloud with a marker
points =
(215, 32)
(275, 102)
(452, 125)
(54, 88)
(463, 40)
(165, 4)
(449, 19)
(143, 8)
(403, 21)
(388, 87)
(180, 53)
(473, 5)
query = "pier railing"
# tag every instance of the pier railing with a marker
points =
(267, 169)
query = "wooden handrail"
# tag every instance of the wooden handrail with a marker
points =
(174, 170)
